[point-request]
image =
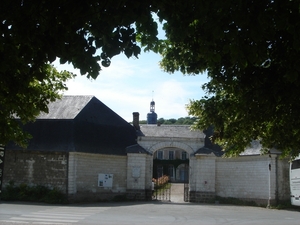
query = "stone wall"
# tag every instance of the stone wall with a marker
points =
(245, 177)
(84, 169)
(202, 178)
(139, 176)
(36, 168)
(283, 182)
(149, 173)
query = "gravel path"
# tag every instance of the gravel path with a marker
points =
(177, 190)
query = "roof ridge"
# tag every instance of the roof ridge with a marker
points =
(66, 107)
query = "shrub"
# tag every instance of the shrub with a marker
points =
(160, 181)
(37, 193)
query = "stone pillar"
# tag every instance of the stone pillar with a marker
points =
(202, 185)
(139, 176)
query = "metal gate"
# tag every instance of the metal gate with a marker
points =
(161, 186)
(162, 190)
(186, 185)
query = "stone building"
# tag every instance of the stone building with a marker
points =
(78, 147)
(251, 176)
(90, 153)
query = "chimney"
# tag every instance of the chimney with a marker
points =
(136, 120)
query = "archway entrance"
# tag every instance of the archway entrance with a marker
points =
(170, 174)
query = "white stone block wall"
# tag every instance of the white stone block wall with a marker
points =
(84, 169)
(149, 172)
(204, 173)
(246, 177)
(193, 173)
(136, 173)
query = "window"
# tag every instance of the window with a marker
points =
(159, 155)
(183, 155)
(171, 171)
(160, 171)
(171, 155)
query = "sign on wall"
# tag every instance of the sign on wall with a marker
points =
(136, 171)
(105, 180)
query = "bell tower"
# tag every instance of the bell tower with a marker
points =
(152, 106)
(152, 116)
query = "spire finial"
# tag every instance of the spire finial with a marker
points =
(152, 104)
(152, 116)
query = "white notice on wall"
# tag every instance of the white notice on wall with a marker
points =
(136, 172)
(105, 180)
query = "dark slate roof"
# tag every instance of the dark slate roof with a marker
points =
(207, 151)
(175, 131)
(80, 124)
(209, 147)
(68, 107)
(255, 148)
(136, 149)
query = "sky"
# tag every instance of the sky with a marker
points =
(129, 85)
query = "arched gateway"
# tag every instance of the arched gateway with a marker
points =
(173, 148)
(167, 144)
(171, 170)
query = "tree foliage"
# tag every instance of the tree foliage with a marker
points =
(35, 33)
(180, 121)
(249, 50)
(25, 101)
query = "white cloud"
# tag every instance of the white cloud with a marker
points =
(127, 85)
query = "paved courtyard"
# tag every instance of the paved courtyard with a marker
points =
(143, 213)
(177, 190)
(174, 212)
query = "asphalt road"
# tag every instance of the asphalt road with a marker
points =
(146, 213)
